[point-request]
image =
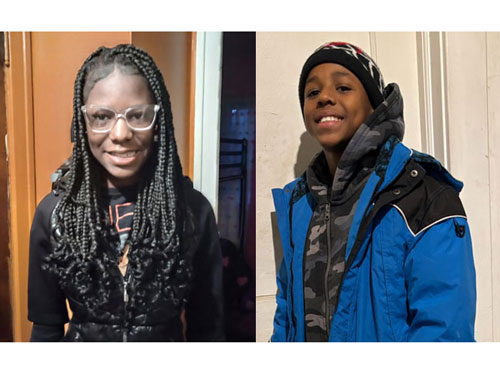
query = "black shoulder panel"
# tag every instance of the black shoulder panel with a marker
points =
(428, 203)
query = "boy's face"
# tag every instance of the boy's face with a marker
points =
(335, 105)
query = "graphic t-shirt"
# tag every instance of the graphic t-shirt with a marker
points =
(120, 204)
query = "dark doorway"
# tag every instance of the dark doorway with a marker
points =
(236, 209)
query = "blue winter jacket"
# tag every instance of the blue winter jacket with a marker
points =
(409, 272)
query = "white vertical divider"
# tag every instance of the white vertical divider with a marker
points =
(207, 114)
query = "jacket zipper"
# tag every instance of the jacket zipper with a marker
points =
(328, 263)
(377, 203)
(367, 219)
(125, 301)
(292, 245)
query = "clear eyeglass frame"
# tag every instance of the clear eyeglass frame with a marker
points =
(122, 115)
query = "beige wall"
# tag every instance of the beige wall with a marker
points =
(449, 83)
(474, 138)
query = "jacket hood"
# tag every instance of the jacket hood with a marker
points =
(361, 152)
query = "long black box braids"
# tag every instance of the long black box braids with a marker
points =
(157, 257)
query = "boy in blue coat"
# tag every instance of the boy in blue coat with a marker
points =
(375, 238)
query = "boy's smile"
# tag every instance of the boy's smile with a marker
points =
(335, 105)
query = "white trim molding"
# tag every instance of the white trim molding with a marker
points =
(373, 45)
(431, 51)
(207, 114)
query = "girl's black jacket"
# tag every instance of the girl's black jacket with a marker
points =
(203, 312)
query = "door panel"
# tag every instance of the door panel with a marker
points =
(5, 304)
(178, 73)
(56, 58)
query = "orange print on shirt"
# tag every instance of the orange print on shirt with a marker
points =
(120, 217)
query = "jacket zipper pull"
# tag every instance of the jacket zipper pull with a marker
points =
(125, 294)
(125, 300)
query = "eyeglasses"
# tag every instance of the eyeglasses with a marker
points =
(101, 119)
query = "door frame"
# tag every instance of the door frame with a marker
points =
(19, 110)
(207, 115)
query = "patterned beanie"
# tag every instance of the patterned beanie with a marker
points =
(352, 58)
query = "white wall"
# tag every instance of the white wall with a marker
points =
(448, 82)
(474, 138)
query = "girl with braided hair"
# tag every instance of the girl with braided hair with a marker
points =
(124, 237)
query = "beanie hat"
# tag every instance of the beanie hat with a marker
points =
(352, 58)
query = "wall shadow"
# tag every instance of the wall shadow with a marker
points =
(278, 247)
(308, 148)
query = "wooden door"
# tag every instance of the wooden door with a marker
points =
(5, 304)
(56, 58)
